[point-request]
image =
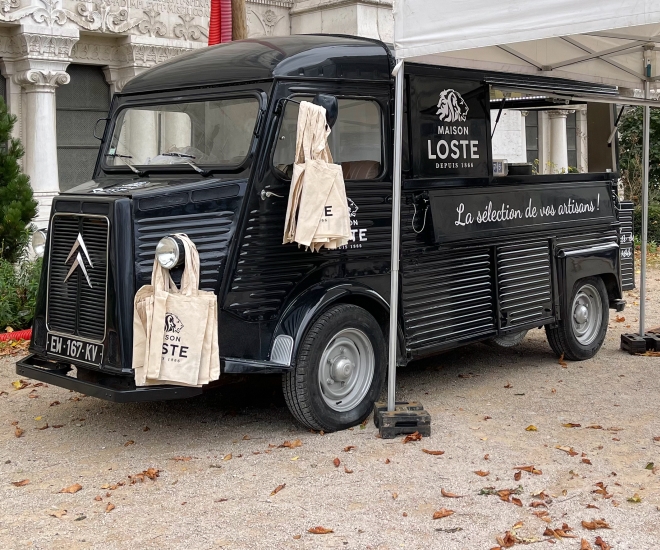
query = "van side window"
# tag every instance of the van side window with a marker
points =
(356, 140)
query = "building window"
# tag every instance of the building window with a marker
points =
(532, 136)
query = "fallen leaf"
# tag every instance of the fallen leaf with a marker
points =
(595, 427)
(20, 384)
(58, 425)
(221, 500)
(318, 530)
(435, 453)
(387, 461)
(72, 488)
(346, 470)
(277, 489)
(602, 544)
(291, 444)
(488, 417)
(537, 504)
(146, 429)
(531, 428)
(593, 506)
(508, 385)
(181, 458)
(507, 541)
(227, 457)
(572, 425)
(569, 450)
(619, 319)
(516, 501)
(586, 461)
(635, 498)
(18, 432)
(246, 437)
(110, 507)
(37, 418)
(129, 442)
(349, 448)
(529, 469)
(448, 494)
(21, 483)
(614, 429)
(416, 436)
(58, 513)
(395, 496)
(98, 498)
(295, 458)
(486, 456)
(602, 490)
(336, 462)
(297, 537)
(558, 533)
(657, 438)
(150, 473)
(584, 545)
(562, 362)
(442, 513)
(517, 476)
(595, 524)
(481, 473)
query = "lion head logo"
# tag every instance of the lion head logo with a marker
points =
(352, 208)
(172, 323)
(452, 107)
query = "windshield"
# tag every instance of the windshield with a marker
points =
(212, 132)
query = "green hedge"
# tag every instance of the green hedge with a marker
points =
(19, 283)
(654, 222)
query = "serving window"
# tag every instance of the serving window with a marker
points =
(356, 140)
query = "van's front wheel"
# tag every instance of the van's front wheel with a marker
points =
(339, 370)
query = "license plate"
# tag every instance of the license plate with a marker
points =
(71, 348)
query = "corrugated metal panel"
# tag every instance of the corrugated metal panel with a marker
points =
(585, 240)
(211, 232)
(525, 283)
(448, 296)
(627, 245)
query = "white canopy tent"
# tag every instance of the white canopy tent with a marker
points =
(607, 42)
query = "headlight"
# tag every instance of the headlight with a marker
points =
(168, 253)
(39, 242)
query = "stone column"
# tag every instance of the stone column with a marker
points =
(45, 53)
(558, 144)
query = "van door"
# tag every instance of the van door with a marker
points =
(269, 274)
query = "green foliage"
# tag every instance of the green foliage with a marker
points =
(17, 205)
(654, 223)
(19, 284)
(630, 153)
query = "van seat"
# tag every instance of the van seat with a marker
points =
(360, 169)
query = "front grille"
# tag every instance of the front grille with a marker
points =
(73, 306)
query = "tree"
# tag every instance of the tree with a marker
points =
(17, 205)
(631, 139)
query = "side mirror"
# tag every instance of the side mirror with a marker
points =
(331, 106)
(97, 125)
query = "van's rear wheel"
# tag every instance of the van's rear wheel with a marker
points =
(582, 332)
(339, 370)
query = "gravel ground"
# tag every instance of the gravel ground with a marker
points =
(383, 494)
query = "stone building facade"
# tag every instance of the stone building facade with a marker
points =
(61, 61)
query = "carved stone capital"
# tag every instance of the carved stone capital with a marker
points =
(559, 113)
(36, 80)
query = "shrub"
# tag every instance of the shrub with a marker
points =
(19, 283)
(654, 222)
(17, 205)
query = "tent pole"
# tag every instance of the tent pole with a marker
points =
(396, 230)
(645, 211)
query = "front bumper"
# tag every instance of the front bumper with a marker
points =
(58, 375)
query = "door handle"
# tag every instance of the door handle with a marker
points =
(267, 194)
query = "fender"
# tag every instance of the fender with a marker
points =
(596, 261)
(304, 308)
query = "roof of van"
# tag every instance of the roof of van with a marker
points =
(306, 56)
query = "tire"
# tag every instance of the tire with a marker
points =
(509, 340)
(581, 332)
(345, 342)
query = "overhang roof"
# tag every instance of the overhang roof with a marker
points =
(301, 56)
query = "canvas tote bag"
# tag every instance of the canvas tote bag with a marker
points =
(317, 210)
(176, 331)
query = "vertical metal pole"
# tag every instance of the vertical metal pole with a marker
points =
(645, 211)
(396, 234)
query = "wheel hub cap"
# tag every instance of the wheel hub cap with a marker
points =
(587, 314)
(346, 369)
(581, 314)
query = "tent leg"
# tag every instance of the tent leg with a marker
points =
(394, 418)
(645, 214)
(396, 235)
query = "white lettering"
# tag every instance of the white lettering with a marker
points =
(431, 155)
(474, 153)
(454, 147)
(442, 155)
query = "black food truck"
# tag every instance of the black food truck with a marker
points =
(204, 145)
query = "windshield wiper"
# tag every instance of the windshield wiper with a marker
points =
(188, 159)
(124, 157)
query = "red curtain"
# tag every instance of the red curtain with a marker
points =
(220, 22)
